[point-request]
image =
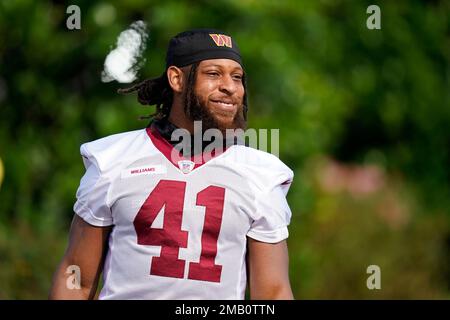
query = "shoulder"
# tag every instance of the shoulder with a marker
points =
(107, 151)
(264, 168)
(254, 157)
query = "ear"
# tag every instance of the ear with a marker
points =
(175, 77)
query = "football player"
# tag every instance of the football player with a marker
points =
(159, 225)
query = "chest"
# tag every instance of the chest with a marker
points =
(211, 202)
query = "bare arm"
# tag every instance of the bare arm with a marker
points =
(268, 266)
(86, 249)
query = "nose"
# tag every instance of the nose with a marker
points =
(227, 85)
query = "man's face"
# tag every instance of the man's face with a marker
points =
(218, 95)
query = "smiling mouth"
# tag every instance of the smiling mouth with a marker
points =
(224, 105)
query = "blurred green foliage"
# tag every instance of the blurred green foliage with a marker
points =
(334, 88)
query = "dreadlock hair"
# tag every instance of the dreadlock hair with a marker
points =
(189, 95)
(157, 91)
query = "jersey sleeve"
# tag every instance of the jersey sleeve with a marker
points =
(273, 214)
(91, 204)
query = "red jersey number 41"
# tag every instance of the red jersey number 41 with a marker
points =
(171, 238)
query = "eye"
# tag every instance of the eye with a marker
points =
(237, 77)
(212, 73)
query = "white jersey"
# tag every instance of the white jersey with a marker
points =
(180, 230)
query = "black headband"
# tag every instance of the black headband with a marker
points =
(201, 44)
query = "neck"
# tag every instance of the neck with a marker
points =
(179, 119)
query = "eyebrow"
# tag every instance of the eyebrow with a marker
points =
(218, 65)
